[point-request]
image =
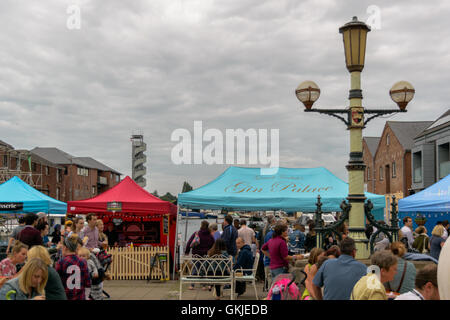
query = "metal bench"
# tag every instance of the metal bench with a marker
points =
(215, 270)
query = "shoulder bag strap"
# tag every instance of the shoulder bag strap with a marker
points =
(403, 277)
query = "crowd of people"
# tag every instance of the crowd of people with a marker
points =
(416, 241)
(76, 273)
(332, 272)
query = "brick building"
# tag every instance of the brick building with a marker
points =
(56, 173)
(391, 162)
(83, 177)
(370, 145)
(34, 170)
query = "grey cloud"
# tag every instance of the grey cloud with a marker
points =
(161, 65)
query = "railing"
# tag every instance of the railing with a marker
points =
(324, 231)
(135, 263)
(390, 231)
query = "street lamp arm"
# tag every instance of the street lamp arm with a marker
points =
(379, 112)
(333, 113)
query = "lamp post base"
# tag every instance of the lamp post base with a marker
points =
(361, 243)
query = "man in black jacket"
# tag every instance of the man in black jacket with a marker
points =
(244, 261)
(229, 235)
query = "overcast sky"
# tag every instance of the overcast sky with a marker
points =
(160, 65)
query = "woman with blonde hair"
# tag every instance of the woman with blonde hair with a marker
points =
(404, 280)
(54, 289)
(101, 235)
(311, 270)
(436, 241)
(29, 285)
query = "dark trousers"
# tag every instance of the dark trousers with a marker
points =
(240, 287)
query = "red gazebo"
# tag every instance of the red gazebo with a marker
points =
(139, 216)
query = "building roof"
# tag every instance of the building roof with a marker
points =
(60, 157)
(405, 131)
(7, 145)
(440, 123)
(53, 155)
(372, 144)
(92, 163)
(37, 159)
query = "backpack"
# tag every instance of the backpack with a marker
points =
(104, 258)
(196, 241)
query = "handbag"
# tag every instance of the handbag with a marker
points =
(397, 292)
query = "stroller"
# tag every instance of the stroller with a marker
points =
(284, 287)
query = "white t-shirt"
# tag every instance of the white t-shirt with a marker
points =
(247, 234)
(407, 232)
(445, 235)
(411, 295)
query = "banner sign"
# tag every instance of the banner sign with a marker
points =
(8, 206)
(114, 206)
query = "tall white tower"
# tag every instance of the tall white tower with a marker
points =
(138, 158)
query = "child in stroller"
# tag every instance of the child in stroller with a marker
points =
(284, 287)
(96, 271)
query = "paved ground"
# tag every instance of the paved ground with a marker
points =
(169, 290)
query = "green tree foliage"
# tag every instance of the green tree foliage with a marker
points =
(169, 197)
(186, 187)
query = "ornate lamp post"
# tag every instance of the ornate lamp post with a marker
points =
(354, 35)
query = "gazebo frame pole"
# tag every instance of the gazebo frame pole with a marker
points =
(175, 243)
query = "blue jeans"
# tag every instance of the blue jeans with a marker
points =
(277, 271)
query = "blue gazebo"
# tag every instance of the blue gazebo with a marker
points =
(16, 196)
(432, 203)
(289, 189)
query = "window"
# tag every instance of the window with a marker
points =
(58, 175)
(47, 170)
(93, 189)
(394, 170)
(117, 178)
(82, 172)
(57, 193)
(444, 160)
(417, 167)
(5, 160)
(33, 166)
(381, 173)
(368, 173)
(387, 139)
